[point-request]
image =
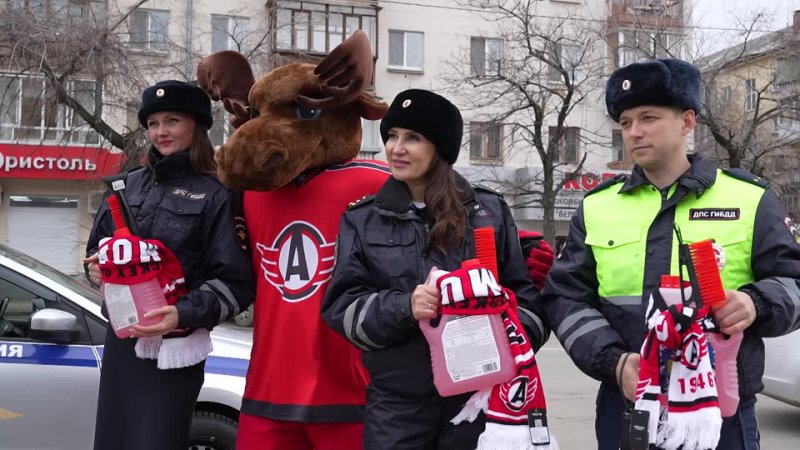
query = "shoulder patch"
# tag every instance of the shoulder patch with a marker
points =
(741, 174)
(362, 201)
(484, 188)
(618, 178)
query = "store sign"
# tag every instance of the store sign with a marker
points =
(588, 181)
(567, 200)
(57, 162)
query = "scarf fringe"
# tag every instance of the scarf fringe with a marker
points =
(479, 401)
(186, 351)
(510, 437)
(698, 430)
(147, 347)
(175, 353)
(652, 406)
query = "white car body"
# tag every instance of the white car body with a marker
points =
(782, 368)
(48, 391)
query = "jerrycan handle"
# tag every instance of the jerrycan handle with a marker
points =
(430, 325)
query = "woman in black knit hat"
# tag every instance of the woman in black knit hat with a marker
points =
(422, 218)
(147, 396)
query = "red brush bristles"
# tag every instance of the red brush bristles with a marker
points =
(704, 262)
(116, 215)
(485, 250)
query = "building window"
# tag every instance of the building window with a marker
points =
(568, 143)
(750, 94)
(228, 33)
(406, 50)
(486, 141)
(59, 8)
(667, 45)
(725, 95)
(318, 27)
(784, 120)
(149, 29)
(634, 46)
(639, 45)
(29, 112)
(617, 146)
(485, 56)
(788, 70)
(569, 57)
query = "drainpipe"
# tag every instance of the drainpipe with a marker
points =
(188, 39)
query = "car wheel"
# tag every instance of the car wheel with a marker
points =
(212, 431)
(245, 318)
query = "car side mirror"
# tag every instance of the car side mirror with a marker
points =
(53, 325)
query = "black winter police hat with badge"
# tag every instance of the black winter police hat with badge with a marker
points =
(430, 115)
(173, 95)
(657, 82)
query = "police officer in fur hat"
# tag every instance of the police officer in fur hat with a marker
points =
(387, 245)
(150, 382)
(621, 241)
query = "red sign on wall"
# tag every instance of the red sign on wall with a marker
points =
(57, 162)
(588, 181)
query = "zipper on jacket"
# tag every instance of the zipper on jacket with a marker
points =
(424, 250)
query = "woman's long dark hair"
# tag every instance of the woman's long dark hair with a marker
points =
(201, 152)
(445, 204)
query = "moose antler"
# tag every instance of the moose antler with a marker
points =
(227, 76)
(344, 73)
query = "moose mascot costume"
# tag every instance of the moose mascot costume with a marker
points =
(298, 129)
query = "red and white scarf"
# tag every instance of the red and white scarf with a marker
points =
(692, 420)
(507, 404)
(130, 260)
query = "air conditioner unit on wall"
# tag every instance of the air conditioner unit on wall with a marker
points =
(95, 200)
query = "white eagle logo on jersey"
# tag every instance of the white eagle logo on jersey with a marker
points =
(298, 262)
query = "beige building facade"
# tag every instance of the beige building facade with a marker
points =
(427, 44)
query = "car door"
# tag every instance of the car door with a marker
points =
(48, 392)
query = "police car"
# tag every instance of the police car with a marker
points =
(51, 346)
(782, 368)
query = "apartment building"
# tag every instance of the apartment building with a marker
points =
(449, 46)
(752, 93)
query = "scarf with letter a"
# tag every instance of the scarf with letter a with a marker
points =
(507, 405)
(692, 420)
(130, 260)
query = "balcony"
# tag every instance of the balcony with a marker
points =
(661, 13)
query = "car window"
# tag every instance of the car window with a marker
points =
(49, 272)
(16, 307)
(21, 297)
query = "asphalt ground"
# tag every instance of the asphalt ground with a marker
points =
(571, 406)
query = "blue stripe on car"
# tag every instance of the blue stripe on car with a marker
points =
(50, 355)
(221, 365)
(83, 356)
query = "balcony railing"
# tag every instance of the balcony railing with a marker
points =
(648, 11)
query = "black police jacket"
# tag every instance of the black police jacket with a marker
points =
(383, 254)
(596, 341)
(193, 215)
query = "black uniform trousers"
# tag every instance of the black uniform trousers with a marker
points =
(739, 432)
(392, 422)
(141, 407)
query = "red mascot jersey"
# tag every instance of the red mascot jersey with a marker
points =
(300, 369)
